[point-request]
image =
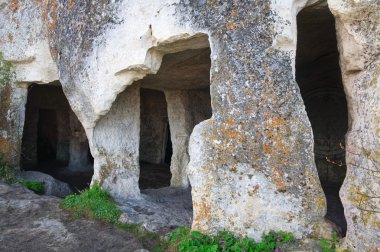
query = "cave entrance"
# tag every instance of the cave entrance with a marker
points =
(54, 141)
(172, 102)
(319, 77)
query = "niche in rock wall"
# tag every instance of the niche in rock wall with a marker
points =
(319, 78)
(172, 102)
(54, 141)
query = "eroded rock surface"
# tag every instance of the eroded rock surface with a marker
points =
(253, 161)
(159, 209)
(30, 222)
(358, 29)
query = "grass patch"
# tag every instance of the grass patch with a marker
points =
(329, 245)
(93, 203)
(8, 175)
(183, 240)
(37, 187)
(97, 204)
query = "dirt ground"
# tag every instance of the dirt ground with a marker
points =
(29, 222)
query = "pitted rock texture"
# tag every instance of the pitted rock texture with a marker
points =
(159, 209)
(259, 140)
(30, 222)
(252, 162)
(358, 29)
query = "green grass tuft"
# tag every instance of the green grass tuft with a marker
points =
(329, 245)
(37, 187)
(7, 173)
(97, 204)
(184, 240)
(93, 203)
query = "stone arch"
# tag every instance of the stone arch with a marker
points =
(117, 165)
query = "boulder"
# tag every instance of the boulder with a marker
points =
(53, 186)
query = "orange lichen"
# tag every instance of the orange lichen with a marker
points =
(229, 122)
(71, 4)
(231, 26)
(267, 149)
(203, 212)
(277, 178)
(13, 5)
(50, 14)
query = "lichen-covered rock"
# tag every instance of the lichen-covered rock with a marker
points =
(251, 165)
(358, 30)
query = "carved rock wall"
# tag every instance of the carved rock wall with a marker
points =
(251, 164)
(358, 32)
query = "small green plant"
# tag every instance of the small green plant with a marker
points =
(93, 203)
(37, 187)
(6, 73)
(96, 203)
(184, 240)
(7, 173)
(329, 245)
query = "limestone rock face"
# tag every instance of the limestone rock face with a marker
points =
(24, 42)
(358, 29)
(251, 165)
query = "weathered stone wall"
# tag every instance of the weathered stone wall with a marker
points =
(12, 113)
(253, 161)
(358, 32)
(25, 44)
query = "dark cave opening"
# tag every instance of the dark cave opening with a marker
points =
(319, 78)
(155, 140)
(47, 135)
(168, 147)
(172, 102)
(54, 142)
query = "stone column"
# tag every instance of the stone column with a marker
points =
(116, 146)
(180, 123)
(12, 117)
(358, 29)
